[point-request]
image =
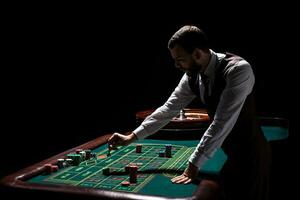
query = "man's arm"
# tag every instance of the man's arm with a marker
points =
(239, 83)
(180, 98)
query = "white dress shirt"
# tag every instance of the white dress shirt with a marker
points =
(239, 83)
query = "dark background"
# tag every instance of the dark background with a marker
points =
(73, 74)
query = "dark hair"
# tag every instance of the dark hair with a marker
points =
(189, 37)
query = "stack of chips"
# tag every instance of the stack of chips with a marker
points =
(78, 150)
(61, 163)
(138, 148)
(168, 150)
(93, 155)
(106, 171)
(76, 158)
(69, 162)
(108, 149)
(127, 167)
(54, 168)
(133, 173)
(49, 168)
(88, 154)
(83, 155)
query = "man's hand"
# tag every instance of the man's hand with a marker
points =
(189, 174)
(118, 139)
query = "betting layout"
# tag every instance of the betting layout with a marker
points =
(128, 168)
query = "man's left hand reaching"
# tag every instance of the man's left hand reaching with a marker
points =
(189, 174)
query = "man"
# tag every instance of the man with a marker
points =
(224, 83)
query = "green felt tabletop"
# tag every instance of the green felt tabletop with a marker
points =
(154, 173)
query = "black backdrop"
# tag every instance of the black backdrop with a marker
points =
(73, 75)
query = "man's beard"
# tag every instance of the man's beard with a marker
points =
(194, 69)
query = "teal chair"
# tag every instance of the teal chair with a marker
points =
(275, 128)
(276, 131)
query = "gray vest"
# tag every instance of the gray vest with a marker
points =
(246, 132)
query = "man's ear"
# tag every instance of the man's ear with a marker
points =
(197, 54)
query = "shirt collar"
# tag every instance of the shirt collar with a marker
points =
(214, 60)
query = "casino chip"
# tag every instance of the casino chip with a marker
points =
(54, 168)
(48, 168)
(106, 171)
(102, 156)
(125, 183)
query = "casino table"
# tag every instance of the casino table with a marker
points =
(88, 180)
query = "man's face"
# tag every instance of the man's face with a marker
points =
(184, 61)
